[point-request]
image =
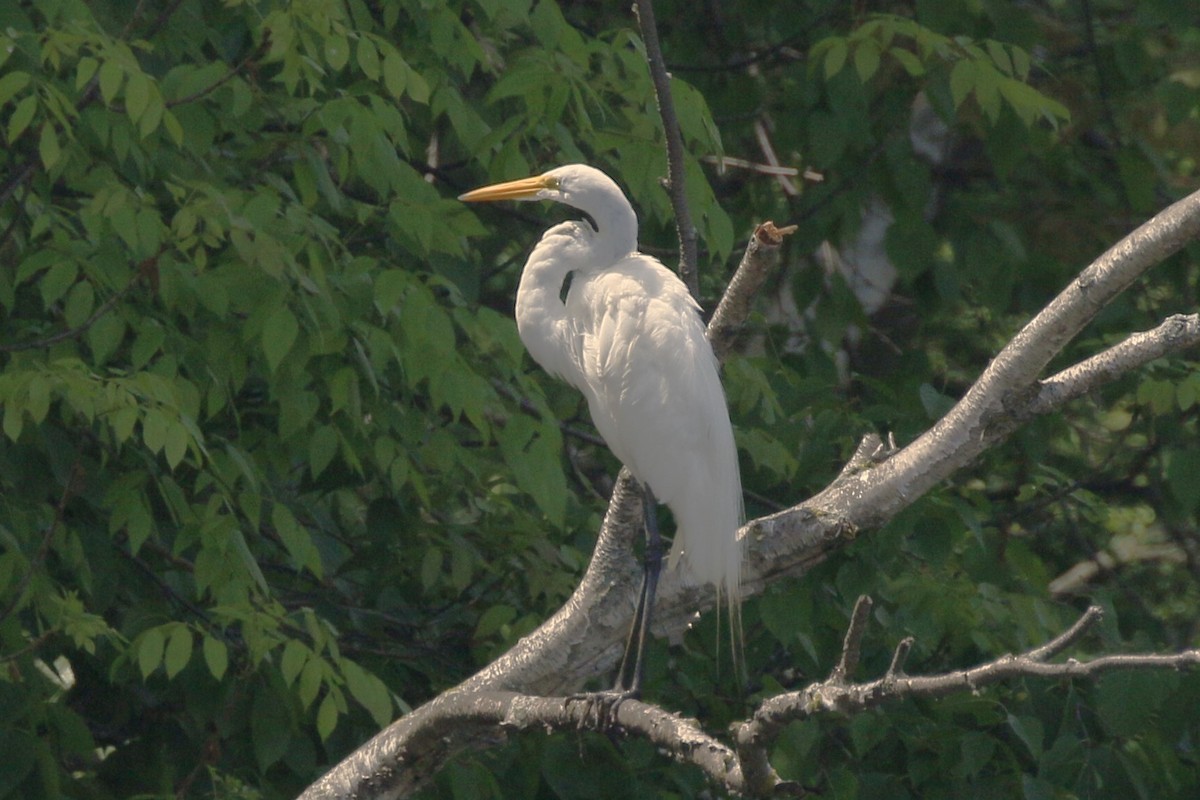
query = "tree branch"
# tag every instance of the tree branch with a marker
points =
(676, 166)
(834, 695)
(1176, 333)
(758, 262)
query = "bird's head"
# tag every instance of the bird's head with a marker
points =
(576, 185)
(579, 186)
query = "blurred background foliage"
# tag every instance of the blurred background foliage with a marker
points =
(274, 467)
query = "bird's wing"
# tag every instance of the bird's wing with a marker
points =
(656, 397)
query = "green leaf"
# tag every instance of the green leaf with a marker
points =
(1000, 57)
(835, 57)
(21, 117)
(57, 280)
(176, 443)
(322, 447)
(37, 400)
(296, 540)
(1030, 731)
(935, 403)
(295, 656)
(270, 727)
(912, 65)
(987, 93)
(369, 691)
(154, 429)
(137, 95)
(866, 60)
(462, 567)
(389, 287)
(493, 620)
(311, 678)
(1159, 395)
(431, 567)
(337, 52)
(1128, 701)
(1183, 476)
(395, 74)
(179, 650)
(12, 83)
(21, 751)
(85, 70)
(216, 656)
(174, 129)
(416, 86)
(105, 336)
(296, 412)
(111, 76)
(533, 452)
(80, 301)
(150, 650)
(962, 81)
(368, 58)
(278, 336)
(248, 561)
(152, 117)
(327, 717)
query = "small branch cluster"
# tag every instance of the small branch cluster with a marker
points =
(838, 695)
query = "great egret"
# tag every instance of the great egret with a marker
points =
(629, 336)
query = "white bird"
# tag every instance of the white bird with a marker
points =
(630, 338)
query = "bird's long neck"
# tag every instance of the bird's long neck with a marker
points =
(540, 312)
(615, 235)
(569, 247)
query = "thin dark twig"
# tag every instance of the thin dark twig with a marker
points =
(35, 563)
(71, 333)
(18, 179)
(221, 81)
(676, 183)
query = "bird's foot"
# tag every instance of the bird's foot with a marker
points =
(602, 706)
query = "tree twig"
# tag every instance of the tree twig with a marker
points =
(1176, 333)
(676, 166)
(759, 260)
(105, 307)
(852, 646)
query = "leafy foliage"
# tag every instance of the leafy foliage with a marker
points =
(274, 468)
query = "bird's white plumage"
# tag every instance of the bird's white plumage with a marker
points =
(630, 338)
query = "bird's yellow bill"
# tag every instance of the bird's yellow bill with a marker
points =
(523, 189)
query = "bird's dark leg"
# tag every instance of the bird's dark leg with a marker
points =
(631, 672)
(629, 675)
